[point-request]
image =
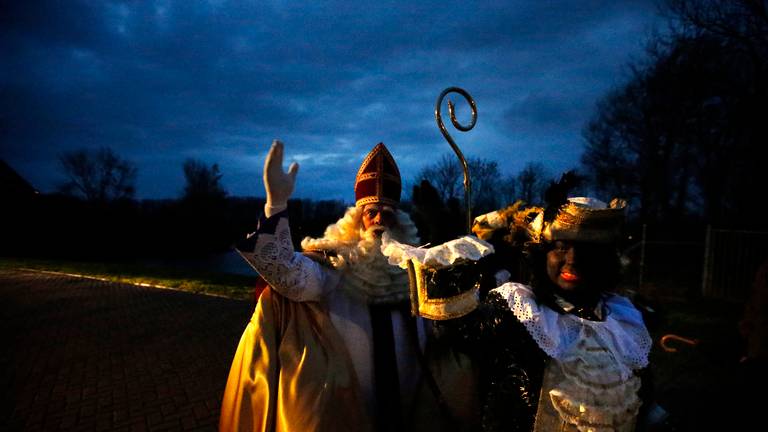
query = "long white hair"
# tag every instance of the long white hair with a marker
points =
(352, 243)
(368, 275)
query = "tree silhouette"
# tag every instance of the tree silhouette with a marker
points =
(202, 210)
(436, 220)
(531, 182)
(202, 182)
(447, 178)
(682, 137)
(98, 175)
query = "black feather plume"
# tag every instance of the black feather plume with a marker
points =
(556, 194)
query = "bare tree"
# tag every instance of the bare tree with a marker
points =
(486, 180)
(445, 175)
(202, 182)
(530, 183)
(682, 136)
(741, 23)
(99, 175)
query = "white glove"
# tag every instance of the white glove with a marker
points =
(277, 183)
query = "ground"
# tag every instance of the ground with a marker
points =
(702, 386)
(83, 354)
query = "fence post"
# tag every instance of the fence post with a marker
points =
(642, 261)
(706, 273)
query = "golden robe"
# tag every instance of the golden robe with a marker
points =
(273, 383)
(292, 372)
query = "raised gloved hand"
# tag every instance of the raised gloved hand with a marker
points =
(278, 183)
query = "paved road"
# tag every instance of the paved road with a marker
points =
(81, 354)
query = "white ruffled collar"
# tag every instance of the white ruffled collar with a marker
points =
(623, 332)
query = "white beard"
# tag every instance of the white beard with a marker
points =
(358, 256)
(368, 272)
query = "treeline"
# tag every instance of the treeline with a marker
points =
(61, 226)
(94, 215)
(683, 138)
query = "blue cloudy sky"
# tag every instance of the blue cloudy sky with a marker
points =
(162, 81)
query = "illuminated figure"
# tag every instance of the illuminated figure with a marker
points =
(562, 353)
(332, 345)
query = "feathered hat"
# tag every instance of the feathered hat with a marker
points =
(576, 219)
(378, 179)
(581, 219)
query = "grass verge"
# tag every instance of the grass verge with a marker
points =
(702, 385)
(190, 280)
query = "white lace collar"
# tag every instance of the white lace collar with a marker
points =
(623, 332)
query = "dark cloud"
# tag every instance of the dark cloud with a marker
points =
(161, 81)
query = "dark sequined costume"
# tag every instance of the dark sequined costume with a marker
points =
(510, 363)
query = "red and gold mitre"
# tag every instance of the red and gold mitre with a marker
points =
(378, 179)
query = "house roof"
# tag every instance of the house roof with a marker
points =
(13, 184)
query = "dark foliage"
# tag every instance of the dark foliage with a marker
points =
(436, 221)
(61, 226)
(98, 176)
(202, 183)
(683, 138)
(446, 177)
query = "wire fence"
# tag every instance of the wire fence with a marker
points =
(721, 265)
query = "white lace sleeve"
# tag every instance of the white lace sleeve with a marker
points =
(290, 273)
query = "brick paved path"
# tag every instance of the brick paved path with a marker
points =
(80, 354)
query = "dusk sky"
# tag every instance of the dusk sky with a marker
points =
(163, 81)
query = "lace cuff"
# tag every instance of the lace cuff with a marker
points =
(288, 272)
